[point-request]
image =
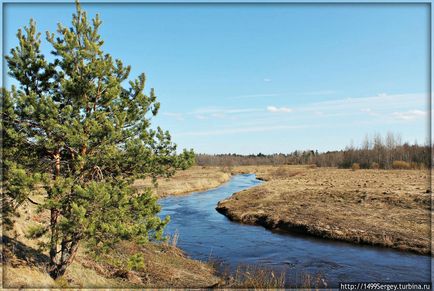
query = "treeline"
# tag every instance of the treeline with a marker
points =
(375, 152)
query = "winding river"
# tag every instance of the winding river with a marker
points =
(205, 234)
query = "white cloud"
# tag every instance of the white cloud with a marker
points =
(267, 80)
(409, 115)
(275, 109)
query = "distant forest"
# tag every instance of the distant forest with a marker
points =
(376, 152)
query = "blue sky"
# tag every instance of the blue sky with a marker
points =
(251, 78)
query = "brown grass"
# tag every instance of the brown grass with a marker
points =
(380, 207)
(267, 173)
(163, 266)
(401, 165)
(375, 166)
(191, 180)
(355, 166)
(248, 276)
(24, 265)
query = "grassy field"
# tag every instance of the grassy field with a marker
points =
(191, 180)
(380, 207)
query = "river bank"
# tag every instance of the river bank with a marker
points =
(206, 235)
(386, 208)
(389, 208)
(185, 182)
(128, 265)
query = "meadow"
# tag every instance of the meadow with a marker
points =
(389, 208)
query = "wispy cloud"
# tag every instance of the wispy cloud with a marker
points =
(369, 111)
(246, 129)
(377, 109)
(217, 110)
(211, 112)
(319, 93)
(249, 96)
(267, 80)
(409, 115)
(201, 117)
(176, 115)
(275, 109)
(287, 94)
(381, 101)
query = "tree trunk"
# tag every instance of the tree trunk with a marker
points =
(54, 237)
(54, 214)
(68, 254)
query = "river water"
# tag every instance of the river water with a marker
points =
(205, 234)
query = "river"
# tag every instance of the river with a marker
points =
(205, 234)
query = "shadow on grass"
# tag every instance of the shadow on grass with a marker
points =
(16, 253)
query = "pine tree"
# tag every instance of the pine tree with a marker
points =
(72, 126)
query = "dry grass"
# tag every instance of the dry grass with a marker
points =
(375, 166)
(355, 166)
(24, 265)
(163, 266)
(248, 276)
(380, 207)
(191, 180)
(267, 173)
(401, 165)
(263, 277)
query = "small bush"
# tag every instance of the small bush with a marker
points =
(355, 166)
(375, 166)
(400, 165)
(136, 262)
(417, 166)
(62, 283)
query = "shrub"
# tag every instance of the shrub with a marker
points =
(355, 166)
(400, 165)
(375, 166)
(417, 166)
(136, 262)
